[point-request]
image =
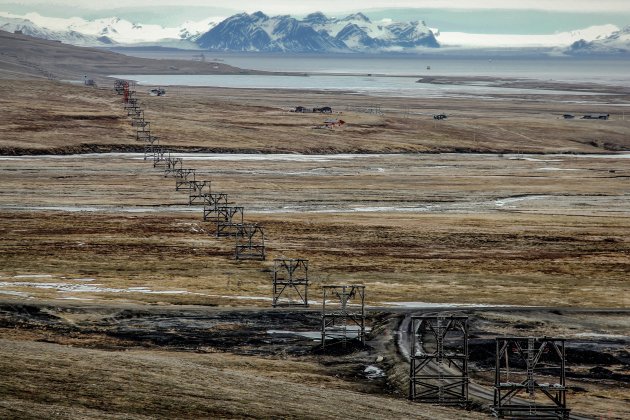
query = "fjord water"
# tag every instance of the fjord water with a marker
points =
(603, 69)
(398, 75)
(371, 85)
(561, 68)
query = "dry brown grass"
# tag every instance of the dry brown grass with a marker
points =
(55, 117)
(84, 383)
(414, 261)
(570, 248)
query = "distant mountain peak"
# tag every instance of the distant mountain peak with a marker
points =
(616, 43)
(357, 16)
(315, 17)
(315, 33)
(260, 15)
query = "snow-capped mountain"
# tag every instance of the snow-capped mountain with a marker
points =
(27, 27)
(259, 32)
(358, 32)
(616, 43)
(315, 33)
(103, 32)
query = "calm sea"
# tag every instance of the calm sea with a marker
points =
(393, 74)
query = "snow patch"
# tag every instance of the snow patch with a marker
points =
(88, 288)
(118, 30)
(509, 200)
(415, 305)
(13, 293)
(560, 39)
(373, 372)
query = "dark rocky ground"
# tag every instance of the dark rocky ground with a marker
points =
(291, 332)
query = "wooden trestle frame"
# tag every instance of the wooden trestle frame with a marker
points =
(517, 359)
(343, 317)
(184, 178)
(290, 280)
(171, 165)
(438, 368)
(137, 118)
(228, 220)
(143, 132)
(211, 204)
(159, 156)
(153, 150)
(250, 242)
(199, 190)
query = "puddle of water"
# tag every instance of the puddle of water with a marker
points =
(389, 209)
(73, 298)
(315, 209)
(265, 298)
(557, 169)
(531, 159)
(105, 209)
(598, 335)
(509, 200)
(622, 155)
(282, 157)
(417, 305)
(33, 276)
(315, 335)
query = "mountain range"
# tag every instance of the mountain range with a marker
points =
(315, 33)
(616, 43)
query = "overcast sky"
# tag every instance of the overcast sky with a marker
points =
(534, 17)
(332, 6)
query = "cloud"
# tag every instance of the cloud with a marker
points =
(341, 6)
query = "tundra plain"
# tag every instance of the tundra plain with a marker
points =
(119, 302)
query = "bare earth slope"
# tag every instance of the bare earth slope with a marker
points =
(25, 57)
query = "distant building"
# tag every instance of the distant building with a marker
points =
(157, 92)
(568, 116)
(18, 32)
(596, 117)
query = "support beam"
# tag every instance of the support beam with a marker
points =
(211, 204)
(343, 313)
(200, 189)
(290, 282)
(143, 132)
(184, 179)
(228, 220)
(172, 165)
(250, 242)
(518, 391)
(438, 369)
(152, 148)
